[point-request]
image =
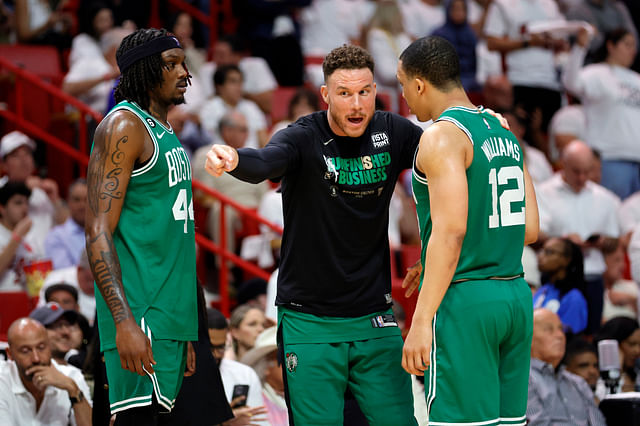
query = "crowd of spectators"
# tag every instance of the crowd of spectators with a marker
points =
(563, 72)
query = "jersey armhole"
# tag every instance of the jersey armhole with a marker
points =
(149, 163)
(458, 125)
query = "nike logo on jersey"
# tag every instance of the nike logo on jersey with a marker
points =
(328, 142)
(160, 135)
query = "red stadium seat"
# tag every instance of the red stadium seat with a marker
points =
(44, 61)
(13, 305)
(280, 106)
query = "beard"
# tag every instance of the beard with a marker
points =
(178, 100)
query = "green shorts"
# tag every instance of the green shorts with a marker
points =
(480, 354)
(128, 390)
(323, 356)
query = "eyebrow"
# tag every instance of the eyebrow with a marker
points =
(346, 88)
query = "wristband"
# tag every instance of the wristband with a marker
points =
(15, 237)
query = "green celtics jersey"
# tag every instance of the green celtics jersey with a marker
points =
(493, 244)
(155, 241)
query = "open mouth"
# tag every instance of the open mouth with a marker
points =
(355, 120)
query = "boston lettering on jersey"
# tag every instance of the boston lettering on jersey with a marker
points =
(179, 166)
(498, 147)
(360, 170)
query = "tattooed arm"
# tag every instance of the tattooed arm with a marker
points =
(120, 143)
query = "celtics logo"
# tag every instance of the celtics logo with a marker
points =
(292, 361)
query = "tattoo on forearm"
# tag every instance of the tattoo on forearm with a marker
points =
(106, 271)
(104, 173)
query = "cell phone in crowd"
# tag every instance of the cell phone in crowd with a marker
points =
(240, 390)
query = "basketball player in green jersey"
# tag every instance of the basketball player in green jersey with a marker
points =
(140, 233)
(471, 331)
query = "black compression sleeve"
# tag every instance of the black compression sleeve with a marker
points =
(256, 165)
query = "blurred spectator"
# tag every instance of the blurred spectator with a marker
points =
(14, 226)
(421, 17)
(627, 332)
(385, 39)
(91, 78)
(620, 295)
(570, 205)
(34, 388)
(263, 358)
(65, 243)
(66, 296)
(562, 292)
(182, 28)
(253, 292)
(273, 33)
(95, 20)
(303, 102)
(629, 216)
(234, 373)
(567, 124)
(634, 255)
(529, 56)
(233, 130)
(45, 206)
(326, 24)
(556, 396)
(498, 93)
(79, 277)
(458, 31)
(61, 325)
(259, 82)
(609, 93)
(581, 359)
(245, 324)
(37, 23)
(605, 16)
(228, 84)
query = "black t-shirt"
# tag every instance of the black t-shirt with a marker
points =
(336, 193)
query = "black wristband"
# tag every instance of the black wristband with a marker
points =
(75, 399)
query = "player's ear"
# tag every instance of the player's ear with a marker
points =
(420, 85)
(324, 92)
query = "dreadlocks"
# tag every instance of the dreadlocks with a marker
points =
(144, 75)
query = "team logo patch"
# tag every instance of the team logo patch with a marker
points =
(380, 139)
(292, 361)
(151, 122)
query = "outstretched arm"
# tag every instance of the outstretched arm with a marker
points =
(249, 165)
(120, 142)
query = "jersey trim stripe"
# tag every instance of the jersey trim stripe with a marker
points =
(485, 423)
(459, 125)
(414, 170)
(432, 369)
(162, 400)
(168, 129)
(139, 401)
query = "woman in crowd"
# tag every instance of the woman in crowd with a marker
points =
(561, 265)
(246, 323)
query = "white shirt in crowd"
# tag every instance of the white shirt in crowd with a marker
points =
(235, 373)
(87, 302)
(213, 110)
(18, 406)
(256, 74)
(594, 210)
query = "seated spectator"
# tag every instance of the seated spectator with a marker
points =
(15, 245)
(78, 277)
(65, 243)
(182, 28)
(608, 90)
(245, 324)
(258, 84)
(581, 359)
(45, 206)
(37, 23)
(263, 358)
(570, 205)
(234, 132)
(620, 295)
(96, 18)
(228, 84)
(303, 102)
(62, 328)
(66, 296)
(34, 388)
(234, 373)
(556, 396)
(605, 16)
(91, 78)
(560, 264)
(458, 31)
(627, 332)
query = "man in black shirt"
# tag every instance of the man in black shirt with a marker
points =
(338, 170)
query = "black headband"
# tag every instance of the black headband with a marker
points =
(149, 48)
